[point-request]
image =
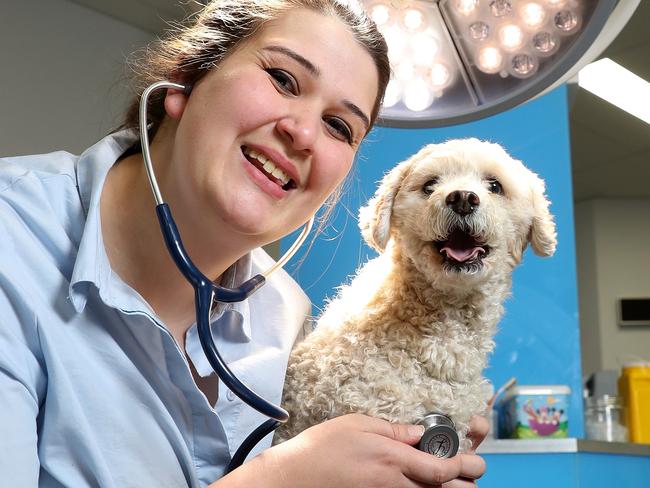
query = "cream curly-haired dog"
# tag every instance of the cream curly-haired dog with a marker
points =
(411, 333)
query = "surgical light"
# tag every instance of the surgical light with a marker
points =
(511, 37)
(489, 60)
(500, 8)
(533, 14)
(479, 31)
(465, 7)
(454, 61)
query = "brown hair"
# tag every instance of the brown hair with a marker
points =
(220, 27)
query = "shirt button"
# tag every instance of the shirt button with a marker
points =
(230, 396)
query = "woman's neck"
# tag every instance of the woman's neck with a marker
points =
(138, 254)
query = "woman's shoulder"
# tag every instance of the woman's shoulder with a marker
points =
(36, 183)
(15, 169)
(40, 211)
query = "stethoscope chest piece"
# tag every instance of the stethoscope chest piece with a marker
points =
(440, 437)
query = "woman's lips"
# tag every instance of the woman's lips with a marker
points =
(269, 184)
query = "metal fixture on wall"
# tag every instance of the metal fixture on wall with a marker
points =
(454, 61)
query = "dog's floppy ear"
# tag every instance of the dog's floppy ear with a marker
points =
(542, 235)
(374, 218)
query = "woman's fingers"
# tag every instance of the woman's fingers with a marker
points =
(423, 467)
(460, 483)
(406, 433)
(478, 430)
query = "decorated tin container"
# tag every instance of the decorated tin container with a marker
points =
(534, 412)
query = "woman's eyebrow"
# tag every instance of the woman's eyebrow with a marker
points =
(309, 66)
(358, 112)
(314, 71)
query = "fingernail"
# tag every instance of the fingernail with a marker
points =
(416, 430)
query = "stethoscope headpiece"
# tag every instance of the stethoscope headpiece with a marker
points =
(440, 437)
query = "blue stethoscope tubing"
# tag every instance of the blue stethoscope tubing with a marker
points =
(206, 292)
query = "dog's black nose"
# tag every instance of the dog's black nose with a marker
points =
(462, 202)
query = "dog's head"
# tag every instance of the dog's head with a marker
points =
(460, 210)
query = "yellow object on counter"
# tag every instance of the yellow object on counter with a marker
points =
(634, 387)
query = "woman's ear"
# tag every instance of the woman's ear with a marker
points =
(175, 102)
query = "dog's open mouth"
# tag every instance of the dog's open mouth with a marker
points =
(461, 250)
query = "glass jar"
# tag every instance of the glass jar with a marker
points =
(604, 417)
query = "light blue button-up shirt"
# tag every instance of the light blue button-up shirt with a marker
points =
(94, 392)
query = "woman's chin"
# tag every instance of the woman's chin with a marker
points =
(264, 226)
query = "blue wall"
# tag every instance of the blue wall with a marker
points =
(565, 470)
(538, 341)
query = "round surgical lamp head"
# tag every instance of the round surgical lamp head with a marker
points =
(454, 61)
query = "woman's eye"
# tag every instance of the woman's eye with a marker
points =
(339, 129)
(427, 188)
(494, 186)
(284, 80)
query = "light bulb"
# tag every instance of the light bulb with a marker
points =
(380, 14)
(489, 60)
(413, 20)
(440, 75)
(566, 21)
(417, 95)
(423, 48)
(479, 31)
(544, 43)
(533, 14)
(500, 8)
(511, 37)
(405, 71)
(396, 40)
(466, 7)
(523, 65)
(393, 94)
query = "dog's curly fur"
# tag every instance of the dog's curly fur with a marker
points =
(411, 333)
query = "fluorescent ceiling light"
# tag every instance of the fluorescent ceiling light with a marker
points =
(617, 85)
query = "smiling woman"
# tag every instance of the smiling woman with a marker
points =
(103, 379)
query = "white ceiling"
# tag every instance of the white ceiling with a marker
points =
(610, 148)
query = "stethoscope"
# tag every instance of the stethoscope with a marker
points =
(206, 292)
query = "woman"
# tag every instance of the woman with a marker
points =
(102, 379)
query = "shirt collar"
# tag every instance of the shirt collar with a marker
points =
(234, 276)
(91, 265)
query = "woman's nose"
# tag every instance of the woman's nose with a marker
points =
(301, 130)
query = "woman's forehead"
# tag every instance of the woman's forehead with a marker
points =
(327, 43)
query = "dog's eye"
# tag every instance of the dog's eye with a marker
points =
(494, 186)
(427, 188)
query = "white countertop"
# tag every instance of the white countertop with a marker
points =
(546, 446)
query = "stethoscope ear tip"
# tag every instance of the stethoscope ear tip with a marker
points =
(187, 90)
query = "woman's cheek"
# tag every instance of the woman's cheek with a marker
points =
(331, 173)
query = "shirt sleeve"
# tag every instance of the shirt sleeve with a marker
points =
(22, 390)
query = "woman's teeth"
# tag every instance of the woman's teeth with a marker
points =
(268, 166)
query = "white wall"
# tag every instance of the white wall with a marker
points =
(613, 251)
(61, 75)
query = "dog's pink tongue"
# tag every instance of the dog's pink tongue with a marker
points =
(462, 255)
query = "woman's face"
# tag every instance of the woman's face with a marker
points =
(267, 136)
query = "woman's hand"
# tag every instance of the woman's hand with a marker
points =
(478, 430)
(354, 451)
